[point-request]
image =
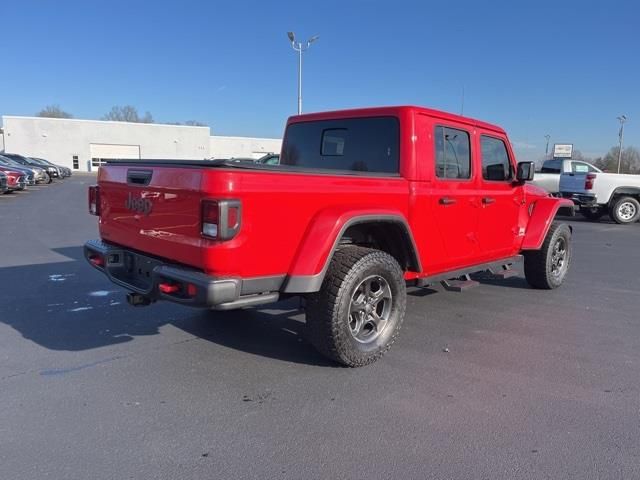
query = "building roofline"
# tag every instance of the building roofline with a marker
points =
(100, 121)
(244, 138)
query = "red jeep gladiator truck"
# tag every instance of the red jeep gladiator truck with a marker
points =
(364, 203)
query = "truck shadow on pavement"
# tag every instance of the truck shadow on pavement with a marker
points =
(68, 306)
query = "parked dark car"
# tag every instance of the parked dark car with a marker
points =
(270, 159)
(30, 173)
(52, 170)
(62, 171)
(41, 174)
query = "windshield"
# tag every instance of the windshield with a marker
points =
(10, 162)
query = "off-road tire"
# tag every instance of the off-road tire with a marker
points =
(328, 311)
(538, 264)
(616, 212)
(594, 213)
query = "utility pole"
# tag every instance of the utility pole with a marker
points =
(300, 47)
(546, 149)
(622, 119)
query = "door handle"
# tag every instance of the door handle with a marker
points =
(447, 201)
(488, 200)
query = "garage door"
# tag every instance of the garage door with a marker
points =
(104, 151)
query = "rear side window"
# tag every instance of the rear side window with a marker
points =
(353, 144)
(453, 153)
(580, 167)
(495, 159)
(551, 166)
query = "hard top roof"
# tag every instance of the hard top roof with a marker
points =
(393, 111)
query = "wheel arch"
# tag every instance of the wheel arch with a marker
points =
(389, 231)
(626, 191)
(544, 212)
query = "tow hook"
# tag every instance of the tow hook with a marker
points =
(138, 300)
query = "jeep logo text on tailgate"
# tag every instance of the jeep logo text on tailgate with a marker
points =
(140, 205)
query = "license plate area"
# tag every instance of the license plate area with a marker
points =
(136, 270)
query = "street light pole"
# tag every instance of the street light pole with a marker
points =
(299, 81)
(546, 149)
(622, 119)
(300, 47)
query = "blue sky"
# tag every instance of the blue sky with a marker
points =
(564, 68)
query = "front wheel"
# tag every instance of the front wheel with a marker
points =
(547, 268)
(625, 210)
(356, 316)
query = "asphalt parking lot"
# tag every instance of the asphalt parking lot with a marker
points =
(535, 384)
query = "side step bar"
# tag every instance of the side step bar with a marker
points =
(460, 280)
(459, 284)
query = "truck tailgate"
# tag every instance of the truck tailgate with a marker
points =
(154, 209)
(573, 182)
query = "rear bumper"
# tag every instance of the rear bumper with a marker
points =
(581, 199)
(144, 275)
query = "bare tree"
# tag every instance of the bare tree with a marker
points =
(127, 113)
(53, 111)
(577, 155)
(630, 160)
(190, 123)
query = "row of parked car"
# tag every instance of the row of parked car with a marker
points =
(17, 172)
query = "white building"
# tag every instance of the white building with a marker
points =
(82, 145)
(233, 147)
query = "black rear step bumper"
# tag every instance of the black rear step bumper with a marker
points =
(581, 199)
(143, 275)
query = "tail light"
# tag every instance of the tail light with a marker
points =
(96, 260)
(589, 181)
(178, 289)
(94, 200)
(221, 219)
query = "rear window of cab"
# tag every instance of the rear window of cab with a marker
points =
(351, 145)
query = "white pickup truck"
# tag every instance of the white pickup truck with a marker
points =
(599, 193)
(549, 175)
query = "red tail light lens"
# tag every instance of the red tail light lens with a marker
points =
(221, 219)
(96, 260)
(589, 181)
(210, 218)
(94, 200)
(169, 288)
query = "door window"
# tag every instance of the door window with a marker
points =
(581, 167)
(495, 159)
(453, 153)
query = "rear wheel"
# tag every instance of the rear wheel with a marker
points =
(547, 268)
(625, 210)
(355, 317)
(593, 213)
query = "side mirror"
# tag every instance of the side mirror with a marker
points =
(525, 172)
